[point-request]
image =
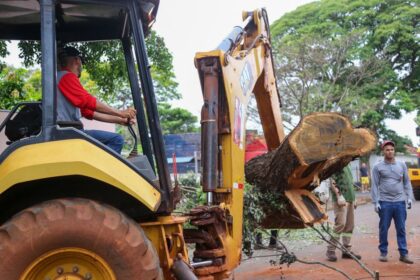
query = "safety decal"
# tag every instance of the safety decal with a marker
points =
(237, 185)
(239, 124)
(246, 78)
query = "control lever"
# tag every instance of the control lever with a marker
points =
(134, 151)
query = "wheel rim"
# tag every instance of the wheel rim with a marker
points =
(69, 264)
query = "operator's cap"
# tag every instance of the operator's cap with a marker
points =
(387, 142)
(70, 52)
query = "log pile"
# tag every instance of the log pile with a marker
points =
(320, 145)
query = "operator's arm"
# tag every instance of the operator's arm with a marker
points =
(375, 185)
(73, 90)
(111, 119)
(103, 108)
(408, 190)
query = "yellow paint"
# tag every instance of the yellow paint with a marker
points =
(214, 53)
(414, 175)
(74, 157)
(68, 264)
(232, 154)
(245, 70)
(163, 232)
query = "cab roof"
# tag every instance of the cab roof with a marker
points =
(81, 20)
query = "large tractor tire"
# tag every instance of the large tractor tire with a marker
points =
(75, 239)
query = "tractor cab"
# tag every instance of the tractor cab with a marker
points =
(58, 159)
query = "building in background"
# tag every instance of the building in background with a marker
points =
(187, 150)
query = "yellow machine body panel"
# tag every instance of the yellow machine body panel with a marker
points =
(241, 68)
(244, 72)
(414, 175)
(75, 157)
(166, 235)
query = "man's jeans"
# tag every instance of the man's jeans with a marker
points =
(389, 211)
(110, 139)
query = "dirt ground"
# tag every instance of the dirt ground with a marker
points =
(365, 242)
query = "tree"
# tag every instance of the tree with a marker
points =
(105, 64)
(17, 85)
(176, 120)
(107, 76)
(355, 57)
(3, 53)
(11, 85)
(318, 75)
(162, 69)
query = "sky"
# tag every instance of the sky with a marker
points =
(190, 26)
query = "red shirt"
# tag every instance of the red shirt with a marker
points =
(73, 90)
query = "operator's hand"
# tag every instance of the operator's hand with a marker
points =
(377, 207)
(132, 121)
(409, 203)
(129, 113)
(127, 121)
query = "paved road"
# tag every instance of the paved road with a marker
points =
(365, 242)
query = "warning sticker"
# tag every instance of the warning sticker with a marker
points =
(237, 185)
(239, 124)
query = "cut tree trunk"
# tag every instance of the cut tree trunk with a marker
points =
(320, 145)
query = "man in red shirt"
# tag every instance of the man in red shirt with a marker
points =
(73, 101)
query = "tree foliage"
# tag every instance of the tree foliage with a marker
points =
(355, 57)
(162, 69)
(17, 85)
(3, 53)
(106, 76)
(176, 120)
(105, 64)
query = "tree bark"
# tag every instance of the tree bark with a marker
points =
(320, 145)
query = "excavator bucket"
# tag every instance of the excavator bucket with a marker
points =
(307, 206)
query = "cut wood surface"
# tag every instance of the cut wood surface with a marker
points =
(320, 145)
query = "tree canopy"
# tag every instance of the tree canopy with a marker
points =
(176, 120)
(360, 58)
(18, 85)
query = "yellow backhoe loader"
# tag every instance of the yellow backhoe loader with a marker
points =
(71, 208)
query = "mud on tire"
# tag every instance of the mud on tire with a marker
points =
(79, 223)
